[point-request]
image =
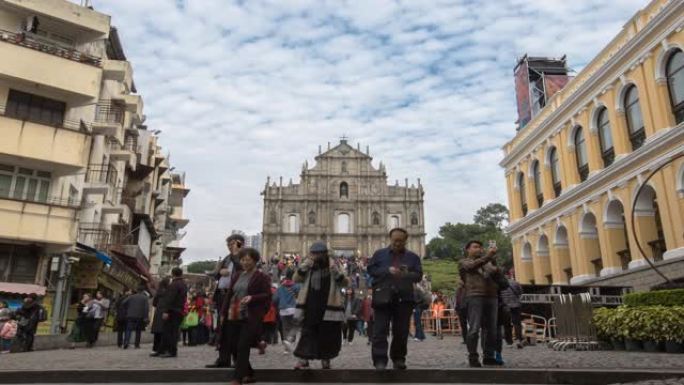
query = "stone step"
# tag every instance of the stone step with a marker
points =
(423, 376)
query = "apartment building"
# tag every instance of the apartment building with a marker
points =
(584, 147)
(82, 178)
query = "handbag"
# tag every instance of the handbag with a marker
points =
(382, 296)
(191, 319)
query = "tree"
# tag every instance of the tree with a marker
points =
(201, 267)
(489, 222)
(493, 215)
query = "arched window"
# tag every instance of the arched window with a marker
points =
(605, 137)
(523, 195)
(312, 217)
(375, 218)
(635, 121)
(414, 219)
(343, 223)
(581, 153)
(394, 222)
(555, 171)
(293, 223)
(675, 84)
(344, 190)
(538, 190)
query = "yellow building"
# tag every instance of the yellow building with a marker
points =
(79, 169)
(573, 169)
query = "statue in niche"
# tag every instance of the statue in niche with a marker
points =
(414, 219)
(272, 218)
(312, 217)
(375, 218)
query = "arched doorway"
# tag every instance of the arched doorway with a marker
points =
(649, 227)
(590, 246)
(617, 244)
(561, 250)
(542, 264)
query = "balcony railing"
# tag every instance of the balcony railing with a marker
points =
(75, 125)
(540, 200)
(109, 112)
(35, 42)
(583, 172)
(608, 157)
(658, 248)
(557, 189)
(48, 200)
(93, 234)
(102, 173)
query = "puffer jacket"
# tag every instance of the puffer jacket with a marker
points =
(511, 295)
(9, 330)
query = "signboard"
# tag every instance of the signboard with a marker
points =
(84, 275)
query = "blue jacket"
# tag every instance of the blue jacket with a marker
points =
(379, 265)
(286, 295)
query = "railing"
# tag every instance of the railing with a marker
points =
(557, 189)
(608, 157)
(49, 200)
(583, 172)
(32, 41)
(659, 248)
(93, 234)
(540, 200)
(75, 125)
(102, 173)
(109, 112)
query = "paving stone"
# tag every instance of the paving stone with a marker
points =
(448, 353)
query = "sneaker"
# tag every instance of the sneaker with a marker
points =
(399, 365)
(262, 347)
(474, 363)
(350, 343)
(380, 365)
(288, 346)
(519, 345)
(498, 358)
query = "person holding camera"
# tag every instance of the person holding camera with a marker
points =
(394, 271)
(482, 279)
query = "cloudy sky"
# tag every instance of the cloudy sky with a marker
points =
(247, 89)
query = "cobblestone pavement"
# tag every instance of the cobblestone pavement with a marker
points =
(448, 353)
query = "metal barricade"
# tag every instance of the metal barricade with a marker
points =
(572, 323)
(534, 328)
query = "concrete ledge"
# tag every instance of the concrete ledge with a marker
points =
(59, 341)
(482, 376)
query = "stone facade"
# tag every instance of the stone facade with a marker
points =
(344, 200)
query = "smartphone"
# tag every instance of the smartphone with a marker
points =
(492, 243)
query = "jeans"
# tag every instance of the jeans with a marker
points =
(463, 321)
(5, 344)
(482, 314)
(133, 325)
(516, 320)
(420, 334)
(399, 315)
(348, 329)
(289, 328)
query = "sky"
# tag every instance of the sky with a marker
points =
(243, 90)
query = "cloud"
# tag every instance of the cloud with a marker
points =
(250, 89)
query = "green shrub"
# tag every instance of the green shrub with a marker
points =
(658, 323)
(654, 298)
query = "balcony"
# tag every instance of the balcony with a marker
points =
(59, 144)
(94, 234)
(119, 70)
(101, 179)
(44, 63)
(69, 15)
(119, 152)
(50, 221)
(109, 118)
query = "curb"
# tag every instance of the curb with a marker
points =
(481, 376)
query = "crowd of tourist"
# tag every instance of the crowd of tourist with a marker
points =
(312, 305)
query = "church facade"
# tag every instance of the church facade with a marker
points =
(346, 202)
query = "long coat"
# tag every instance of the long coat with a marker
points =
(259, 288)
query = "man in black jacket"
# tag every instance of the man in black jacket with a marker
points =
(120, 324)
(29, 315)
(226, 271)
(137, 309)
(171, 305)
(394, 271)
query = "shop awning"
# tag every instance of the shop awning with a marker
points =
(100, 255)
(22, 288)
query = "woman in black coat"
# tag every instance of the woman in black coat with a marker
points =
(157, 323)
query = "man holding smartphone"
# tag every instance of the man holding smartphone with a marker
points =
(394, 270)
(479, 273)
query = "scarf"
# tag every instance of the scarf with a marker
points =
(317, 276)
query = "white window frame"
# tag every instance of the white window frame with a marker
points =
(42, 178)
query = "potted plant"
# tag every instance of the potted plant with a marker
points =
(632, 328)
(673, 329)
(652, 321)
(613, 328)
